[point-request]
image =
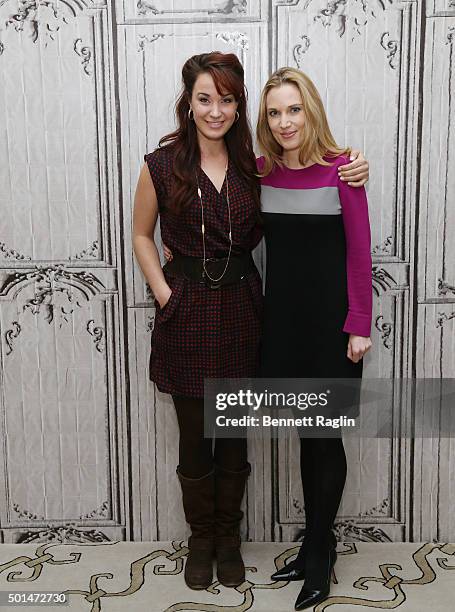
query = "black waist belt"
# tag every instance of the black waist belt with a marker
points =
(192, 268)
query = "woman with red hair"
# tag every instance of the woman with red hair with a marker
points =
(202, 182)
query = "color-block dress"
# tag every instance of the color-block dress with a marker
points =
(203, 332)
(318, 272)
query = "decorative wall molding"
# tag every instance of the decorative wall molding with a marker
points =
(85, 53)
(237, 39)
(382, 508)
(351, 531)
(360, 12)
(26, 514)
(148, 293)
(97, 333)
(10, 334)
(443, 317)
(63, 534)
(298, 506)
(384, 248)
(150, 323)
(392, 47)
(57, 290)
(385, 329)
(230, 7)
(144, 8)
(299, 50)
(102, 511)
(91, 251)
(382, 280)
(51, 283)
(444, 287)
(451, 33)
(143, 40)
(42, 18)
(12, 253)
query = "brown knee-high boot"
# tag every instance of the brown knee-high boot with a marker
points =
(199, 505)
(229, 490)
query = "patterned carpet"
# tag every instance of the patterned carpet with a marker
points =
(148, 577)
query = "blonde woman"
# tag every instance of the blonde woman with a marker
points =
(318, 295)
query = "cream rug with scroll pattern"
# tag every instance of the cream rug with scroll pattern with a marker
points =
(148, 577)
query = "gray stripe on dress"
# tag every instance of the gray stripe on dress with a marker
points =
(320, 201)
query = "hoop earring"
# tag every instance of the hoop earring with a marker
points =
(237, 116)
(190, 117)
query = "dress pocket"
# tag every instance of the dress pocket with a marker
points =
(165, 313)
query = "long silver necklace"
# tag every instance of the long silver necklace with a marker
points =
(204, 260)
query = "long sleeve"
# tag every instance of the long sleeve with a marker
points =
(354, 207)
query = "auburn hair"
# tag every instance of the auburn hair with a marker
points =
(318, 140)
(228, 76)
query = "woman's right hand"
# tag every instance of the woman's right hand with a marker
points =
(167, 252)
(163, 297)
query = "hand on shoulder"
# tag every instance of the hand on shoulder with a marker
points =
(356, 172)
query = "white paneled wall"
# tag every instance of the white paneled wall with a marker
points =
(86, 88)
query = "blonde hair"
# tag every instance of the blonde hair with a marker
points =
(318, 139)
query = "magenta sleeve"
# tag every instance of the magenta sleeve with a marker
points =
(354, 208)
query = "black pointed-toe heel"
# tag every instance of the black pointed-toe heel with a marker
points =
(295, 570)
(317, 586)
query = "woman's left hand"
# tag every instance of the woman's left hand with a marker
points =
(357, 173)
(167, 252)
(357, 347)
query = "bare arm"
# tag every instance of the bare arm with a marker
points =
(145, 214)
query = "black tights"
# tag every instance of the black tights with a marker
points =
(196, 453)
(323, 468)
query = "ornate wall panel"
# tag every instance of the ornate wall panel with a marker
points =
(436, 279)
(58, 373)
(434, 478)
(434, 457)
(185, 11)
(55, 163)
(61, 393)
